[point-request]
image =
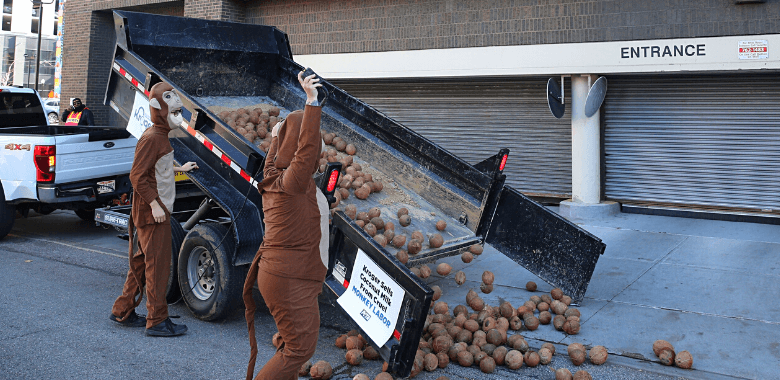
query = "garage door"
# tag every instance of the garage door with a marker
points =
(694, 142)
(474, 119)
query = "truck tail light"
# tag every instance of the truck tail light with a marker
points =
(503, 162)
(45, 162)
(332, 179)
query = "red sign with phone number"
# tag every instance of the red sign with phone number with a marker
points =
(753, 50)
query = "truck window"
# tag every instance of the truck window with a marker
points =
(20, 110)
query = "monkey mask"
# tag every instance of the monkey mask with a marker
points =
(165, 106)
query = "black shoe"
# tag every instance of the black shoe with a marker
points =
(132, 320)
(166, 328)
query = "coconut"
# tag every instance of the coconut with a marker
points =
(574, 346)
(436, 292)
(381, 239)
(550, 347)
(488, 277)
(494, 337)
(487, 364)
(399, 241)
(418, 235)
(414, 246)
(556, 293)
(344, 193)
(460, 309)
(476, 249)
(415, 271)
(465, 358)
(515, 323)
(545, 356)
(571, 327)
(442, 343)
(460, 277)
(666, 356)
(577, 357)
(435, 241)
(467, 257)
(305, 369)
(499, 355)
(443, 269)
(378, 222)
(374, 212)
(683, 360)
(443, 358)
(321, 370)
(543, 306)
(370, 229)
(402, 256)
(566, 300)
(558, 307)
(514, 359)
(354, 357)
(582, 375)
(341, 341)
(441, 225)
(479, 355)
(563, 374)
(360, 376)
(471, 325)
(384, 376)
(425, 271)
(545, 317)
(464, 336)
(430, 362)
(471, 295)
(531, 322)
(350, 149)
(506, 309)
(477, 304)
(441, 307)
(659, 345)
(355, 343)
(521, 345)
(502, 324)
(572, 312)
(389, 234)
(558, 322)
(531, 358)
(598, 355)
(370, 353)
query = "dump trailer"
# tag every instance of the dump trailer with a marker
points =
(215, 66)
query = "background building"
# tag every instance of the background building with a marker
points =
(19, 42)
(691, 120)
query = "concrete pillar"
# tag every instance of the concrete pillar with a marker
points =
(586, 158)
(585, 145)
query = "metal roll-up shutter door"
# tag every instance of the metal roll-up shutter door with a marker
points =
(694, 142)
(474, 119)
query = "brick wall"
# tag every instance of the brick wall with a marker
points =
(224, 10)
(88, 48)
(342, 26)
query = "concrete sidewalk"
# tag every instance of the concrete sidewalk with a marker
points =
(709, 287)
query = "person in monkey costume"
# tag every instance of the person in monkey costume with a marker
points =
(291, 264)
(152, 176)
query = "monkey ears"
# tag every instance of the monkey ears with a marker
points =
(155, 103)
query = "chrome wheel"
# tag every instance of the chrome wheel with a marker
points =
(200, 273)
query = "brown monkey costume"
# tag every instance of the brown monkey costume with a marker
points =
(288, 267)
(152, 176)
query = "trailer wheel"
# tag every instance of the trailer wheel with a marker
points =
(172, 292)
(210, 284)
(7, 215)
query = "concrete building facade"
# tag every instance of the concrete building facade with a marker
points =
(690, 120)
(19, 40)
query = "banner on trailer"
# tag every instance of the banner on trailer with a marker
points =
(373, 299)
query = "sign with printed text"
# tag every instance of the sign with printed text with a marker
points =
(757, 49)
(373, 299)
(140, 119)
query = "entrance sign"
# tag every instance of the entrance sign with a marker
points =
(373, 299)
(756, 49)
(139, 119)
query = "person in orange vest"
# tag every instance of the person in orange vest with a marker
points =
(78, 114)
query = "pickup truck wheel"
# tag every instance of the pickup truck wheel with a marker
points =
(53, 119)
(7, 215)
(210, 284)
(86, 214)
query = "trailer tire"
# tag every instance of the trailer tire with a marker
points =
(210, 284)
(7, 215)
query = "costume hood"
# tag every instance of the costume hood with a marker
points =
(159, 116)
(289, 132)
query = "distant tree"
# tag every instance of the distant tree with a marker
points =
(6, 79)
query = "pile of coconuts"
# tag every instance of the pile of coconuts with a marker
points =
(666, 355)
(254, 124)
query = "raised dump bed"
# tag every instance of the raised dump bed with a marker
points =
(217, 67)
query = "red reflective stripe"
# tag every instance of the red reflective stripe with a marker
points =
(246, 176)
(396, 335)
(134, 82)
(346, 284)
(192, 131)
(503, 162)
(146, 92)
(208, 144)
(226, 159)
(122, 71)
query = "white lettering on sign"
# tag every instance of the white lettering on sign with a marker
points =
(758, 49)
(372, 299)
(139, 119)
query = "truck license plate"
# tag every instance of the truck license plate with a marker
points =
(106, 186)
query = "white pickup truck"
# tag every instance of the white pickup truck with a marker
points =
(45, 167)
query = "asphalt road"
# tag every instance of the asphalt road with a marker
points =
(61, 275)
